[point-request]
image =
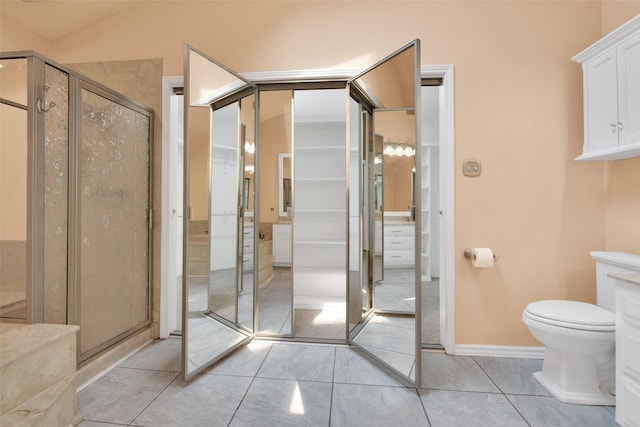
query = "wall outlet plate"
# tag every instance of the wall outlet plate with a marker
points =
(471, 168)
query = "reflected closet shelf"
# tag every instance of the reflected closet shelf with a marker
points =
(299, 180)
(321, 148)
(303, 211)
(321, 242)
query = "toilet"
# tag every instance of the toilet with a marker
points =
(579, 338)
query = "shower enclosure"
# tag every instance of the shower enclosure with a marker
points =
(75, 202)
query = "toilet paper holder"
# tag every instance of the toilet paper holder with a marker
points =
(468, 254)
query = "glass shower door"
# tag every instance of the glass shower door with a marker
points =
(113, 230)
(13, 189)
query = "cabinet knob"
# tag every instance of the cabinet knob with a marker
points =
(613, 127)
(619, 125)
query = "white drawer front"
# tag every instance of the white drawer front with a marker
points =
(398, 230)
(399, 243)
(631, 307)
(399, 257)
(631, 351)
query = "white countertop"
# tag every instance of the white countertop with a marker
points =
(634, 279)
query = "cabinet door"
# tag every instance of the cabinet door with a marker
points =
(629, 90)
(601, 103)
(282, 245)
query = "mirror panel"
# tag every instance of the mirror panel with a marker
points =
(223, 223)
(358, 295)
(390, 90)
(320, 213)
(247, 172)
(212, 198)
(275, 278)
(378, 208)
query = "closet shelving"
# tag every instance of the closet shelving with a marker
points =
(319, 226)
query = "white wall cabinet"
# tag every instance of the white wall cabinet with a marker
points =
(399, 245)
(247, 245)
(628, 350)
(611, 84)
(282, 245)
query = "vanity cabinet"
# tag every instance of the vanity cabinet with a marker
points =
(627, 349)
(399, 245)
(282, 245)
(247, 246)
(611, 85)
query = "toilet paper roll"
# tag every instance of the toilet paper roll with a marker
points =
(483, 257)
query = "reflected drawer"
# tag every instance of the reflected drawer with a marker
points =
(399, 243)
(398, 230)
(399, 257)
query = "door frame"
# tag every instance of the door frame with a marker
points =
(446, 202)
(169, 301)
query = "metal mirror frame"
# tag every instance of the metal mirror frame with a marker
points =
(368, 98)
(231, 91)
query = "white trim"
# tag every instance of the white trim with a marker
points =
(289, 76)
(167, 304)
(447, 203)
(528, 352)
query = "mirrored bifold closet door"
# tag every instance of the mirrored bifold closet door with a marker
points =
(301, 202)
(218, 262)
(383, 108)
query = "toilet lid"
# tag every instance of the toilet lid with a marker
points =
(573, 314)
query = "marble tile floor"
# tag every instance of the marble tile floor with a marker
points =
(275, 305)
(287, 384)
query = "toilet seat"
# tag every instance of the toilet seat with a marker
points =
(572, 314)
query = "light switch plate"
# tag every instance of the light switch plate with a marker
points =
(471, 167)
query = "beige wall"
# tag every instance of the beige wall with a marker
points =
(518, 109)
(14, 37)
(275, 138)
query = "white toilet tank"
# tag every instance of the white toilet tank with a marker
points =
(609, 263)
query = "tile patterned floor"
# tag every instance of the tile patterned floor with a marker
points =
(282, 384)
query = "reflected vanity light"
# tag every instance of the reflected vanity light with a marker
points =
(249, 147)
(250, 168)
(377, 160)
(399, 150)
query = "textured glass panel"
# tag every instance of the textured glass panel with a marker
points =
(13, 188)
(114, 205)
(56, 196)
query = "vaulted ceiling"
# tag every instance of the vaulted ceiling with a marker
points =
(52, 19)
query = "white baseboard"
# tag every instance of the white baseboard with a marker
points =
(529, 352)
